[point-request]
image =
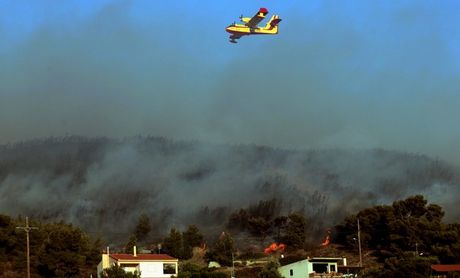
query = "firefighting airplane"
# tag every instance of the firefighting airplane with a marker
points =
(250, 26)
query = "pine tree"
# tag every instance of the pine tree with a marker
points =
(143, 227)
(174, 243)
(192, 237)
(295, 231)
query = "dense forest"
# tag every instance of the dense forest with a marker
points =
(406, 237)
(104, 185)
(57, 249)
(401, 238)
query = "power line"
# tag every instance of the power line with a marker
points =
(27, 229)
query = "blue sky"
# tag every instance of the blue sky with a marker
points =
(352, 74)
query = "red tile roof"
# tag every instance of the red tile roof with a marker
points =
(142, 257)
(445, 267)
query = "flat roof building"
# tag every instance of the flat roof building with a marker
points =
(311, 266)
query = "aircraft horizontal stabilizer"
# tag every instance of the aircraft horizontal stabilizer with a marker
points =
(275, 22)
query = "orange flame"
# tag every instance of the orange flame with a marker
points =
(327, 239)
(274, 247)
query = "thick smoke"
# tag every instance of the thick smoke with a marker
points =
(359, 74)
(105, 185)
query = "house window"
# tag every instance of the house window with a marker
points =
(169, 268)
(291, 272)
(332, 267)
(320, 267)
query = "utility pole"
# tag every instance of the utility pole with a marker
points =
(359, 246)
(27, 229)
(233, 266)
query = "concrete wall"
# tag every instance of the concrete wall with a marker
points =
(298, 269)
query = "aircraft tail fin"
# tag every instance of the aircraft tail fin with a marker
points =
(273, 23)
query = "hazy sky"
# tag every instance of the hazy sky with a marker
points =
(358, 74)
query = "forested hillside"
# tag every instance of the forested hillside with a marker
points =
(399, 239)
(104, 185)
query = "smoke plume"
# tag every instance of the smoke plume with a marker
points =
(104, 185)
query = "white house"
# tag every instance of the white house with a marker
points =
(148, 265)
(309, 267)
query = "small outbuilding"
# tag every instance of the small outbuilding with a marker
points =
(311, 266)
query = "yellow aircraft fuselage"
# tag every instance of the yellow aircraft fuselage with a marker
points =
(241, 29)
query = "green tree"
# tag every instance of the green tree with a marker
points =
(405, 265)
(192, 237)
(8, 238)
(270, 270)
(404, 227)
(56, 249)
(63, 252)
(259, 227)
(93, 257)
(173, 243)
(295, 231)
(115, 271)
(222, 250)
(143, 227)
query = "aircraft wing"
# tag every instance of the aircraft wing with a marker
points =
(235, 36)
(256, 19)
